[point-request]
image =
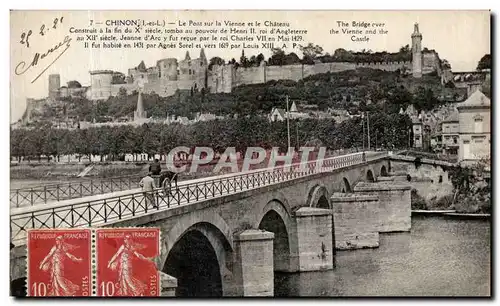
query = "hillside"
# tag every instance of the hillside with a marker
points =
(343, 90)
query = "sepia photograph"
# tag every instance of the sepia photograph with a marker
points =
(245, 153)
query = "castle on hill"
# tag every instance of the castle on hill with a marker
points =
(170, 75)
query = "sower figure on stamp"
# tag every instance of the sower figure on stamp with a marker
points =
(54, 263)
(122, 261)
(148, 186)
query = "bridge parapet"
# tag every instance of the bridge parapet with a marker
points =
(422, 160)
(59, 192)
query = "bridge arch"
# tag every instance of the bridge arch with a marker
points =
(383, 171)
(276, 218)
(18, 287)
(197, 250)
(369, 176)
(318, 197)
(346, 186)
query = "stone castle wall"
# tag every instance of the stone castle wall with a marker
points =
(222, 79)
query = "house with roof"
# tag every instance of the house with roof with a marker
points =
(280, 114)
(277, 114)
(418, 132)
(474, 119)
(450, 135)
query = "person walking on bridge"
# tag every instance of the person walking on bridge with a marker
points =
(155, 167)
(148, 186)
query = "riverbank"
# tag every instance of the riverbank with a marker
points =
(450, 213)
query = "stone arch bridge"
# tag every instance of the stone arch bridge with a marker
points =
(225, 236)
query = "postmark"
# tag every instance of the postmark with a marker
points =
(59, 262)
(125, 262)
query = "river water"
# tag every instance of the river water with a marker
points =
(439, 257)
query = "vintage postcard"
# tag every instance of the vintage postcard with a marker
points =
(250, 153)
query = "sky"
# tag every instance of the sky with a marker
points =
(461, 37)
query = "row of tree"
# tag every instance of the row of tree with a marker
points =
(386, 131)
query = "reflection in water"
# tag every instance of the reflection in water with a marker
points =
(439, 257)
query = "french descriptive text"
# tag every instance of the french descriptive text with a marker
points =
(188, 34)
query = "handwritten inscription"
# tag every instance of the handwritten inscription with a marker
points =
(38, 58)
(23, 66)
(43, 30)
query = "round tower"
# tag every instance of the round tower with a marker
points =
(100, 81)
(54, 85)
(168, 68)
(416, 48)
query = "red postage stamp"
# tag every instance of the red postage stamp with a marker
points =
(59, 262)
(125, 262)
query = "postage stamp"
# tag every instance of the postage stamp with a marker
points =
(125, 262)
(59, 262)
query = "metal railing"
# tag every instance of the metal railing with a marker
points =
(112, 209)
(65, 191)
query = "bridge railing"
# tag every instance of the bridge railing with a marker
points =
(112, 209)
(65, 191)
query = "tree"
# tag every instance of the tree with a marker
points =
(484, 62)
(278, 57)
(243, 59)
(234, 63)
(424, 99)
(405, 49)
(122, 92)
(215, 61)
(259, 59)
(252, 61)
(310, 52)
(486, 87)
(445, 64)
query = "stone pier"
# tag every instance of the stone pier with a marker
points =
(394, 204)
(356, 221)
(254, 268)
(168, 284)
(314, 239)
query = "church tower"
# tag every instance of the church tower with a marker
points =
(416, 49)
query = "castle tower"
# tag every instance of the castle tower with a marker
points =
(416, 49)
(29, 108)
(54, 85)
(187, 57)
(203, 57)
(139, 113)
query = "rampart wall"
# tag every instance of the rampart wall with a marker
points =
(223, 78)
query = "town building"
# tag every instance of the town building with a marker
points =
(279, 114)
(450, 134)
(474, 115)
(418, 132)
